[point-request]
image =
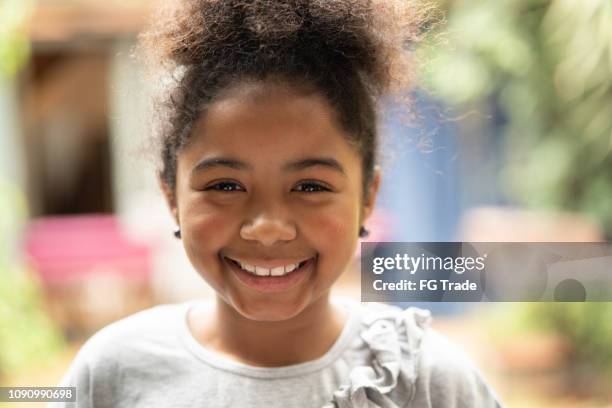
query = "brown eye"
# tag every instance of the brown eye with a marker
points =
(225, 186)
(311, 187)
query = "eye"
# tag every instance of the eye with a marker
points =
(225, 186)
(311, 187)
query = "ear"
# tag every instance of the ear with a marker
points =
(372, 193)
(170, 196)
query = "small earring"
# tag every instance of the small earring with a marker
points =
(363, 232)
(177, 233)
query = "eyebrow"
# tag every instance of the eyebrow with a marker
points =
(213, 162)
(313, 162)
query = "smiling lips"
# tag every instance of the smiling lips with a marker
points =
(258, 270)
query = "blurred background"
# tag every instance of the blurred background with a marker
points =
(509, 139)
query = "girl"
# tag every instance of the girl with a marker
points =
(268, 144)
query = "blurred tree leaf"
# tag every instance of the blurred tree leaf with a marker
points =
(27, 336)
(14, 41)
(548, 64)
(587, 327)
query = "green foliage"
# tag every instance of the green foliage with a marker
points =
(14, 42)
(586, 326)
(548, 63)
(27, 337)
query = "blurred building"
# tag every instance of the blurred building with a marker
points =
(80, 50)
(76, 127)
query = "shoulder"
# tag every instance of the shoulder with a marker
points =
(135, 331)
(98, 369)
(128, 340)
(417, 363)
(448, 377)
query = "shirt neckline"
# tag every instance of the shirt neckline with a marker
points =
(224, 363)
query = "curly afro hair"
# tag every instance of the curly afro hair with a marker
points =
(351, 51)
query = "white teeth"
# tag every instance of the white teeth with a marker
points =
(247, 267)
(277, 271)
(289, 268)
(261, 271)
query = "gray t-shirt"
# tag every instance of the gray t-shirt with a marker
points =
(385, 357)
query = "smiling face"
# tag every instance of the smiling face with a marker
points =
(269, 185)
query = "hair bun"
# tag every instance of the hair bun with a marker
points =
(370, 35)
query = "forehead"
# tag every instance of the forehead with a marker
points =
(269, 120)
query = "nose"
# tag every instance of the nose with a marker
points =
(268, 230)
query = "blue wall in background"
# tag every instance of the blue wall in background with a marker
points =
(421, 182)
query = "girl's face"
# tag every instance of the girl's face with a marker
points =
(269, 183)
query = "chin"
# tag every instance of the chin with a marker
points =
(270, 309)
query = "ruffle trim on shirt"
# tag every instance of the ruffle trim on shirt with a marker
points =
(394, 337)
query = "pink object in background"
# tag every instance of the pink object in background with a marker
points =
(71, 248)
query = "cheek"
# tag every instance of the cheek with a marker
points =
(209, 229)
(204, 233)
(334, 235)
(335, 228)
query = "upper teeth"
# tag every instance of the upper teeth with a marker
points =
(261, 271)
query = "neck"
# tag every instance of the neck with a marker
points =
(304, 337)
